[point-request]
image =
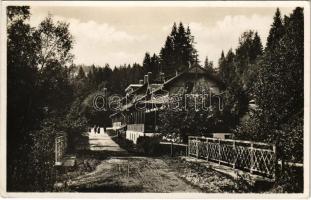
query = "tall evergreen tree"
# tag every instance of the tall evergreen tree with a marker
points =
(221, 66)
(81, 74)
(192, 53)
(208, 65)
(279, 90)
(276, 32)
(178, 51)
(168, 62)
(247, 53)
(155, 66)
(174, 31)
(256, 48)
(180, 44)
(147, 63)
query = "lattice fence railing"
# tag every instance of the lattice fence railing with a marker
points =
(254, 157)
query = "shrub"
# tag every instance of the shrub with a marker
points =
(121, 140)
(148, 145)
(127, 144)
(42, 156)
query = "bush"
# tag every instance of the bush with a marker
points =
(289, 146)
(42, 157)
(124, 143)
(289, 179)
(121, 140)
(127, 144)
(148, 145)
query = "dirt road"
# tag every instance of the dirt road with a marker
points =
(102, 142)
(131, 174)
(105, 167)
(108, 168)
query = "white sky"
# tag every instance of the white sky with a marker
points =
(118, 35)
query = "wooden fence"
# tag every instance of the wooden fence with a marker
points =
(173, 149)
(254, 157)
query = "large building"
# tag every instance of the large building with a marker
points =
(139, 109)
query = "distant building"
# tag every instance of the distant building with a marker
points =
(143, 102)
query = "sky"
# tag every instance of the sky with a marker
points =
(119, 35)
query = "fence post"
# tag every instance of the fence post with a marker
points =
(219, 153)
(252, 158)
(207, 149)
(56, 152)
(188, 147)
(171, 148)
(275, 162)
(128, 169)
(197, 141)
(234, 159)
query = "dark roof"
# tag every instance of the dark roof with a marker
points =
(194, 70)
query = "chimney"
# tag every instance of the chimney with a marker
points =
(141, 81)
(146, 79)
(176, 73)
(162, 78)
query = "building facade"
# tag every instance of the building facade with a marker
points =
(140, 108)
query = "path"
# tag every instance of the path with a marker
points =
(118, 171)
(102, 142)
(131, 174)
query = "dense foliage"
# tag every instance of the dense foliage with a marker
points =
(278, 89)
(279, 96)
(40, 96)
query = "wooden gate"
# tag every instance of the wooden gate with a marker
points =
(254, 157)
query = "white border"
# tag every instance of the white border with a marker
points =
(304, 4)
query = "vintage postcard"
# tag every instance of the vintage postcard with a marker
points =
(181, 99)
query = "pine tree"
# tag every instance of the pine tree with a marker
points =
(221, 67)
(155, 66)
(147, 63)
(167, 57)
(178, 51)
(192, 53)
(208, 65)
(276, 32)
(227, 69)
(230, 69)
(174, 31)
(256, 48)
(279, 89)
(247, 53)
(81, 74)
(180, 43)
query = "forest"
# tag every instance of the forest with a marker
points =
(47, 93)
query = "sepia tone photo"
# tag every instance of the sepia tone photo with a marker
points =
(156, 98)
